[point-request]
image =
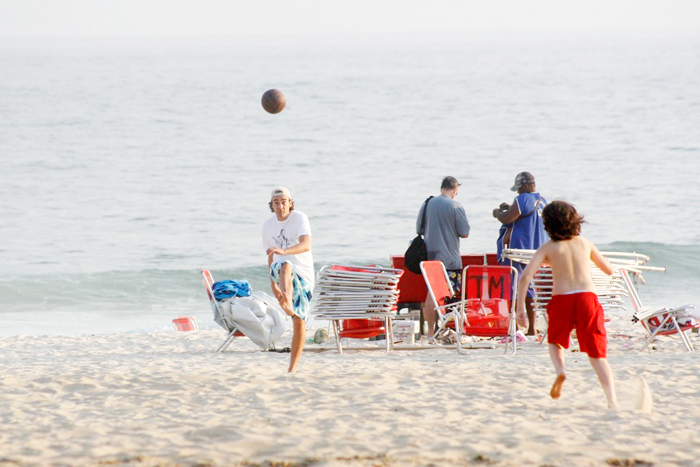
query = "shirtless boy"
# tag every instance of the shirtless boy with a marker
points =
(574, 302)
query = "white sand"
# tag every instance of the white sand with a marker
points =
(168, 399)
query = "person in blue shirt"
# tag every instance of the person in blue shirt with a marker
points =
(522, 229)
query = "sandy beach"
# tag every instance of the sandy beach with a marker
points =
(168, 399)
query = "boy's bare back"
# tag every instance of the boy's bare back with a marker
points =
(570, 261)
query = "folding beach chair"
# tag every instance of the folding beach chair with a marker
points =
(660, 320)
(185, 323)
(360, 301)
(208, 282)
(440, 292)
(487, 306)
(610, 289)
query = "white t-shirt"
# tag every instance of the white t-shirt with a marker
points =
(285, 234)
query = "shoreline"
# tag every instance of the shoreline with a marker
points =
(167, 398)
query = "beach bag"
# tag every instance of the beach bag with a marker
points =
(229, 289)
(417, 251)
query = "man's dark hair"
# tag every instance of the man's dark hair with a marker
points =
(449, 183)
(561, 221)
(291, 206)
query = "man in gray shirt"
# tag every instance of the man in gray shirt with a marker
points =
(445, 223)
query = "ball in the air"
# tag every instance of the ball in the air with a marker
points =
(273, 101)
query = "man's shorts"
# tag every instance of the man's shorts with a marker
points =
(455, 276)
(582, 311)
(301, 299)
(521, 267)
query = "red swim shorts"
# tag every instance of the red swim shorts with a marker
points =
(581, 311)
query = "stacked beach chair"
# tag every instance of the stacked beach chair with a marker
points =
(610, 289)
(360, 301)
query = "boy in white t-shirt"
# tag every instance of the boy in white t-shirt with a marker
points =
(287, 239)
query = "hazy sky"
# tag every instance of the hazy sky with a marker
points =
(215, 17)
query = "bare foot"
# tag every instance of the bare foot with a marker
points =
(556, 387)
(286, 304)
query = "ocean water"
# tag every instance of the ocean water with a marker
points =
(128, 165)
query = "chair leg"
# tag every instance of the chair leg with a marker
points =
(336, 333)
(683, 335)
(512, 335)
(459, 327)
(229, 339)
(653, 334)
(544, 334)
(389, 334)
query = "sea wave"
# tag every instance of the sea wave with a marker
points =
(143, 289)
(680, 259)
(123, 290)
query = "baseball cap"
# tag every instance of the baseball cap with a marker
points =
(281, 191)
(523, 178)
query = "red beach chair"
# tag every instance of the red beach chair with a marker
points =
(185, 323)
(483, 310)
(487, 308)
(440, 291)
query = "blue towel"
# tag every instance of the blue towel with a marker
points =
(229, 289)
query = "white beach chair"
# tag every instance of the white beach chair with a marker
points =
(611, 290)
(660, 320)
(257, 317)
(233, 332)
(360, 301)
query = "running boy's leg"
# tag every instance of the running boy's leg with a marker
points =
(556, 353)
(605, 376)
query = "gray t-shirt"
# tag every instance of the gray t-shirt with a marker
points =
(445, 222)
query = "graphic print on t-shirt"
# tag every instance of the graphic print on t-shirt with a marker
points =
(282, 241)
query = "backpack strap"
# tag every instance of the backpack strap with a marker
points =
(537, 204)
(425, 210)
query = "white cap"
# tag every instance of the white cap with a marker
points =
(281, 191)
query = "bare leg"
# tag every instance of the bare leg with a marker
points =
(605, 376)
(531, 331)
(556, 353)
(298, 340)
(287, 289)
(430, 316)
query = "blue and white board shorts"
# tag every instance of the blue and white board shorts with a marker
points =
(301, 300)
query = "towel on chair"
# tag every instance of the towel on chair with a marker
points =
(258, 316)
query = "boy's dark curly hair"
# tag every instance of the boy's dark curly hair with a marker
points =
(561, 221)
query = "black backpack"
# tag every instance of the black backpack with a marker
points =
(416, 251)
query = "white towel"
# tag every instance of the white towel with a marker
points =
(259, 317)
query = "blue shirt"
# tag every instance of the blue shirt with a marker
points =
(528, 231)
